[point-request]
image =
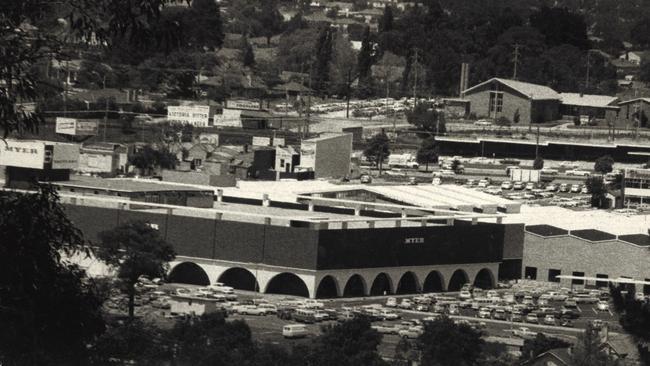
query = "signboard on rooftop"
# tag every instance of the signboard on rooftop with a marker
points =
(637, 173)
(243, 104)
(65, 156)
(75, 127)
(196, 115)
(261, 141)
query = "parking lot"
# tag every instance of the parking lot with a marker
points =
(536, 306)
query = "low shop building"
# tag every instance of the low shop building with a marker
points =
(198, 115)
(247, 114)
(636, 186)
(103, 157)
(28, 161)
(498, 97)
(328, 155)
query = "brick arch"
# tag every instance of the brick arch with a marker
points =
(287, 283)
(382, 282)
(484, 279)
(434, 282)
(355, 286)
(328, 287)
(188, 273)
(239, 278)
(408, 283)
(457, 280)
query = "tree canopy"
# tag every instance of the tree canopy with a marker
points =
(378, 149)
(446, 343)
(604, 164)
(49, 309)
(135, 249)
(428, 152)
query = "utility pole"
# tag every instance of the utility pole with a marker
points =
(537, 144)
(516, 60)
(347, 94)
(306, 128)
(105, 118)
(415, 81)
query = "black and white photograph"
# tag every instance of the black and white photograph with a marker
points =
(324, 183)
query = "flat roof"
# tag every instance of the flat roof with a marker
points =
(567, 219)
(125, 185)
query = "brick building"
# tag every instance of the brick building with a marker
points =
(497, 97)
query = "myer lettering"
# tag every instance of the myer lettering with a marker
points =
(23, 150)
(413, 240)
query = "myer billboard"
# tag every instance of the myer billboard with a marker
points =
(75, 127)
(38, 154)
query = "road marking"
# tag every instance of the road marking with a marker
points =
(595, 312)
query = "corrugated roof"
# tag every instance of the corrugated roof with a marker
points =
(533, 91)
(588, 100)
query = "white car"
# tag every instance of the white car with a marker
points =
(405, 304)
(506, 185)
(603, 306)
(483, 183)
(483, 122)
(391, 302)
(549, 171)
(312, 304)
(577, 172)
(465, 295)
(250, 310)
(484, 313)
(389, 315)
(220, 287)
(411, 333)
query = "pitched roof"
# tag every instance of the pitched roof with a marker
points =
(645, 100)
(560, 354)
(588, 100)
(533, 91)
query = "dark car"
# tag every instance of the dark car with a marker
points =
(569, 313)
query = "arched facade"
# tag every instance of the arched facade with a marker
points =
(355, 287)
(381, 284)
(327, 288)
(484, 279)
(189, 273)
(408, 284)
(434, 282)
(458, 279)
(287, 284)
(239, 278)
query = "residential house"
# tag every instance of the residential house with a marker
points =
(633, 111)
(634, 57)
(498, 97)
(286, 159)
(602, 108)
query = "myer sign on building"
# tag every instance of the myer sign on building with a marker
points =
(39, 154)
(75, 127)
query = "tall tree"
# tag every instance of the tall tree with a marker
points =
(204, 23)
(425, 117)
(320, 69)
(386, 21)
(561, 26)
(604, 164)
(135, 249)
(248, 56)
(445, 343)
(378, 149)
(538, 163)
(428, 153)
(350, 343)
(364, 60)
(587, 350)
(598, 190)
(271, 20)
(49, 309)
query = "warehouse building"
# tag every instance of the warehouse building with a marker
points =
(316, 247)
(595, 243)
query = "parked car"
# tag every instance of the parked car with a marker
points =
(577, 172)
(549, 171)
(411, 333)
(251, 310)
(518, 186)
(530, 186)
(391, 302)
(405, 304)
(389, 315)
(484, 313)
(575, 188)
(506, 185)
(499, 314)
(483, 183)
(602, 306)
(366, 179)
(532, 318)
(549, 319)
(483, 123)
(564, 188)
(552, 187)
(465, 295)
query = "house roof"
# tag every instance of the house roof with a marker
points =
(635, 100)
(562, 355)
(533, 91)
(588, 100)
